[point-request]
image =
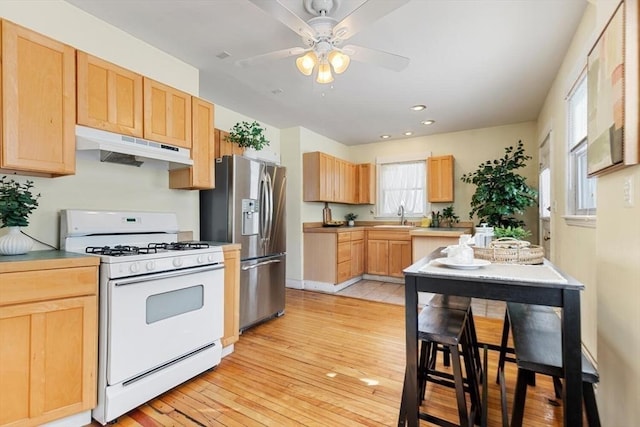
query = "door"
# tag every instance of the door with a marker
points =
(544, 191)
(247, 205)
(262, 290)
(157, 318)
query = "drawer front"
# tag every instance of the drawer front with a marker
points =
(43, 285)
(388, 235)
(344, 237)
(344, 252)
(357, 235)
(344, 271)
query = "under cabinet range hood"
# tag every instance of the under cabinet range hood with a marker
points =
(128, 150)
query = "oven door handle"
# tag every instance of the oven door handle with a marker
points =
(260, 264)
(167, 274)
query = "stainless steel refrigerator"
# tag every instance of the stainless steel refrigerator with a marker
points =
(248, 207)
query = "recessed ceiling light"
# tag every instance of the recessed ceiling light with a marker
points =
(385, 136)
(428, 122)
(418, 107)
(408, 133)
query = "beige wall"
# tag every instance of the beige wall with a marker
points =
(470, 148)
(605, 256)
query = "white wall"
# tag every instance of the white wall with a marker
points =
(605, 258)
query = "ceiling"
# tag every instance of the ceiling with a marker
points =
(473, 63)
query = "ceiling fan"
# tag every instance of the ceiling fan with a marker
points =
(323, 37)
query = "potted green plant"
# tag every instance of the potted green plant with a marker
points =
(350, 217)
(17, 202)
(449, 217)
(248, 135)
(500, 192)
(518, 233)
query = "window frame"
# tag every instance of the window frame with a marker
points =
(580, 188)
(414, 159)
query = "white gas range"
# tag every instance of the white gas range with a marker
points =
(161, 303)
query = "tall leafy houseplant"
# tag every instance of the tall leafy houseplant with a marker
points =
(248, 135)
(501, 193)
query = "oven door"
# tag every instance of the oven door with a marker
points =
(157, 319)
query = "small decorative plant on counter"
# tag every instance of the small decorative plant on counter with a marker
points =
(248, 135)
(350, 217)
(449, 217)
(17, 202)
(500, 192)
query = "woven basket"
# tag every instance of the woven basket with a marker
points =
(507, 250)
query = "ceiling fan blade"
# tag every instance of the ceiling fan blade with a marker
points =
(286, 16)
(365, 14)
(278, 54)
(384, 59)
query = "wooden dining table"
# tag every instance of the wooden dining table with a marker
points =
(541, 284)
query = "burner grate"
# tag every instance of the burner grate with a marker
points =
(119, 250)
(179, 246)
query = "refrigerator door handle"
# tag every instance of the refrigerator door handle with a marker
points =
(270, 204)
(260, 264)
(263, 210)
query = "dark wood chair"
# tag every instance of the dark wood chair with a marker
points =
(537, 341)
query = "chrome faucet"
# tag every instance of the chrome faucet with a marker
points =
(401, 213)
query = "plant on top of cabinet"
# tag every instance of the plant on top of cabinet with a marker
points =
(17, 202)
(500, 192)
(247, 135)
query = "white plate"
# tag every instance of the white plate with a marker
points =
(477, 263)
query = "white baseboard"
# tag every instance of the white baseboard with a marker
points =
(294, 284)
(329, 288)
(227, 350)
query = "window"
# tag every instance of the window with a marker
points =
(402, 183)
(582, 190)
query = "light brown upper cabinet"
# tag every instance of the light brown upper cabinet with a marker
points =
(109, 97)
(329, 179)
(38, 104)
(201, 174)
(366, 181)
(167, 114)
(318, 177)
(440, 181)
(224, 147)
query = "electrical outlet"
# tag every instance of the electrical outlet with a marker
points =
(627, 192)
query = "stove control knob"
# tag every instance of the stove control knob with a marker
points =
(151, 265)
(212, 258)
(177, 262)
(200, 259)
(135, 267)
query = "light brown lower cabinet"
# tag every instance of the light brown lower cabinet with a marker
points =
(388, 252)
(231, 295)
(48, 343)
(333, 257)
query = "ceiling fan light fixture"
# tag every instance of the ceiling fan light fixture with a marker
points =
(306, 63)
(324, 73)
(339, 61)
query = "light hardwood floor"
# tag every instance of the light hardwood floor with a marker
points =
(329, 361)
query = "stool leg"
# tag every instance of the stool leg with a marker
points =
(446, 356)
(423, 368)
(459, 382)
(503, 346)
(590, 405)
(472, 378)
(557, 387)
(473, 338)
(519, 397)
